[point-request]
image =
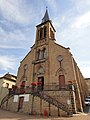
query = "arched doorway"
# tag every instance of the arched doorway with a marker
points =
(40, 83)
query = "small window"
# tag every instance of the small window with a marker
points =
(39, 54)
(25, 67)
(45, 31)
(41, 33)
(44, 53)
(51, 33)
(7, 85)
(38, 34)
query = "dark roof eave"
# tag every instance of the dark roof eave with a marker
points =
(8, 79)
(87, 78)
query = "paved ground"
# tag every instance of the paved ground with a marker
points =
(7, 115)
(87, 109)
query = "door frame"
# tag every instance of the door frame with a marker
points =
(41, 79)
(20, 103)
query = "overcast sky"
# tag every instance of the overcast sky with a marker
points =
(18, 20)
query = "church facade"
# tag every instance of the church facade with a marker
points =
(48, 80)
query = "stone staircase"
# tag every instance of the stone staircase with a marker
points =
(53, 101)
(44, 96)
(5, 99)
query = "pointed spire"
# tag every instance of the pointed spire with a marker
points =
(46, 16)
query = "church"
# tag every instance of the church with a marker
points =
(49, 80)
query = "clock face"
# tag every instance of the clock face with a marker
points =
(59, 58)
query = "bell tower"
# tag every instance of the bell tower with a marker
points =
(45, 31)
(45, 34)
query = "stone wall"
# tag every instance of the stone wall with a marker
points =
(36, 105)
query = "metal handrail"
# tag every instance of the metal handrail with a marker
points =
(6, 98)
(53, 101)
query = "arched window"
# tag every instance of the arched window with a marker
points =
(44, 53)
(25, 67)
(39, 54)
(45, 31)
(38, 34)
(51, 33)
(41, 33)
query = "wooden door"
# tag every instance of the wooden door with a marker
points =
(20, 104)
(61, 81)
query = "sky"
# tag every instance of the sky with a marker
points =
(18, 20)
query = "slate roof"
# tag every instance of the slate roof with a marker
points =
(46, 17)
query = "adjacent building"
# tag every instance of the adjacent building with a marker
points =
(6, 82)
(48, 80)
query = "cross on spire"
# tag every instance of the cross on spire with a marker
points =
(46, 7)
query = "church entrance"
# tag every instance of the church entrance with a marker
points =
(40, 83)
